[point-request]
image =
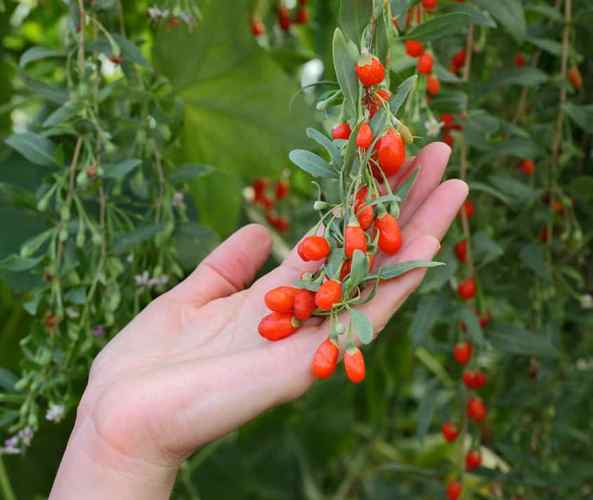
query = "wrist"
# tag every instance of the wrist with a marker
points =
(93, 469)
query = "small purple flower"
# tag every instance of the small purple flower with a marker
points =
(98, 330)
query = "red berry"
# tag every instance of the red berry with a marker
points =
(304, 304)
(433, 85)
(527, 167)
(467, 289)
(462, 352)
(354, 365)
(281, 190)
(302, 16)
(361, 196)
(329, 293)
(458, 60)
(454, 489)
(325, 359)
(370, 71)
(364, 138)
(277, 221)
(414, 48)
(341, 131)
(354, 239)
(430, 4)
(390, 240)
(474, 379)
(277, 326)
(575, 78)
(447, 119)
(257, 27)
(469, 208)
(519, 60)
(313, 248)
(391, 152)
(424, 64)
(476, 410)
(485, 319)
(473, 460)
(283, 16)
(259, 186)
(365, 216)
(461, 250)
(281, 299)
(449, 140)
(449, 431)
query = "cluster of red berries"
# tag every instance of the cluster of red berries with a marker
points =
(267, 195)
(368, 226)
(449, 124)
(424, 65)
(475, 410)
(284, 18)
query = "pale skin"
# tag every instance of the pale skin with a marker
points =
(192, 367)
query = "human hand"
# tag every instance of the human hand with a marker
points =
(192, 367)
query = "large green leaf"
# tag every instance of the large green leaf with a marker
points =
(440, 27)
(354, 16)
(509, 13)
(237, 114)
(34, 147)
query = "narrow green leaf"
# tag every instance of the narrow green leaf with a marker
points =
(311, 163)
(402, 93)
(36, 148)
(533, 257)
(359, 269)
(426, 408)
(354, 16)
(515, 340)
(188, 172)
(121, 169)
(440, 27)
(362, 326)
(404, 189)
(345, 58)
(509, 13)
(16, 263)
(477, 16)
(472, 323)
(581, 115)
(38, 53)
(130, 52)
(324, 142)
(389, 272)
(127, 241)
(427, 314)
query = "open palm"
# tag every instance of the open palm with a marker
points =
(191, 367)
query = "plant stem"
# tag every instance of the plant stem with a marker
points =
(5, 486)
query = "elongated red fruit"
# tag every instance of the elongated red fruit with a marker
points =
(341, 131)
(391, 152)
(462, 352)
(454, 490)
(476, 410)
(527, 167)
(304, 305)
(364, 138)
(281, 299)
(424, 64)
(313, 248)
(390, 240)
(414, 48)
(461, 250)
(467, 289)
(370, 71)
(277, 326)
(433, 85)
(449, 431)
(325, 359)
(365, 216)
(473, 460)
(354, 239)
(354, 365)
(329, 294)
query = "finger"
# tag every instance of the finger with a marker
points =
(392, 294)
(229, 268)
(432, 161)
(437, 212)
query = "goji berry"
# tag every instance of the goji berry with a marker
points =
(476, 410)
(364, 138)
(449, 431)
(462, 352)
(302, 16)
(485, 319)
(281, 299)
(329, 294)
(277, 221)
(391, 152)
(304, 304)
(325, 359)
(370, 71)
(473, 460)
(414, 48)
(458, 59)
(424, 64)
(283, 16)
(469, 208)
(277, 326)
(365, 216)
(390, 240)
(575, 78)
(430, 4)
(447, 119)
(354, 365)
(341, 131)
(314, 248)
(467, 289)
(354, 239)
(474, 379)
(449, 140)
(257, 27)
(520, 60)
(281, 190)
(454, 490)
(433, 85)
(461, 250)
(527, 167)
